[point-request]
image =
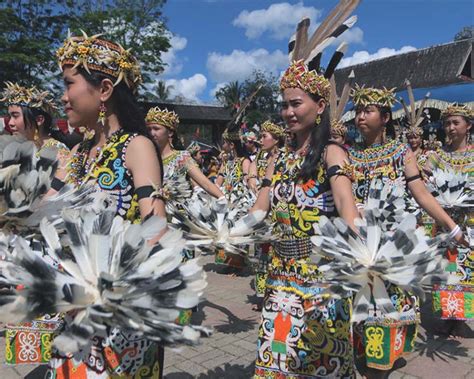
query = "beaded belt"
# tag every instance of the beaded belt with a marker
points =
(294, 248)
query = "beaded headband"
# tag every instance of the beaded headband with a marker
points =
(299, 76)
(231, 136)
(274, 129)
(373, 96)
(163, 117)
(31, 97)
(458, 110)
(93, 53)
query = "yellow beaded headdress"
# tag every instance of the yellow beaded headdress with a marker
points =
(276, 130)
(337, 106)
(414, 117)
(382, 97)
(458, 110)
(163, 117)
(31, 97)
(96, 54)
(305, 53)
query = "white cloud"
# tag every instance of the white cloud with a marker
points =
(189, 88)
(278, 19)
(239, 64)
(173, 64)
(364, 56)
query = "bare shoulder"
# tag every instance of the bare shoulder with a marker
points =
(334, 155)
(140, 142)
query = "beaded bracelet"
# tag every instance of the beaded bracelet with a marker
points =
(454, 232)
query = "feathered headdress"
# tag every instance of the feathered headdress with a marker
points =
(31, 97)
(305, 53)
(458, 110)
(337, 107)
(414, 117)
(373, 96)
(163, 117)
(275, 129)
(96, 54)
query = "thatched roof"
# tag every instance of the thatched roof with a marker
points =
(195, 114)
(435, 66)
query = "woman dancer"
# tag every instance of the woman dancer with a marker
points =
(450, 302)
(101, 79)
(394, 163)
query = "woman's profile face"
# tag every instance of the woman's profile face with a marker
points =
(268, 141)
(160, 134)
(81, 99)
(299, 110)
(17, 122)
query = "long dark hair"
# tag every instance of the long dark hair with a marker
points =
(319, 139)
(124, 102)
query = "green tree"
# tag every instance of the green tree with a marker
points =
(136, 25)
(231, 95)
(264, 105)
(29, 30)
(465, 33)
(163, 90)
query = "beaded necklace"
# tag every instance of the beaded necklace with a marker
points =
(82, 166)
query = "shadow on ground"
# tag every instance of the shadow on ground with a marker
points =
(229, 371)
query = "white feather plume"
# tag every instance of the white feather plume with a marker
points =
(451, 188)
(362, 263)
(111, 277)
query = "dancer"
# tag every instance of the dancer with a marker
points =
(392, 162)
(272, 140)
(162, 125)
(30, 112)
(232, 179)
(101, 80)
(304, 334)
(450, 302)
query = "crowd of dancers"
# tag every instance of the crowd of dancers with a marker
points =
(306, 198)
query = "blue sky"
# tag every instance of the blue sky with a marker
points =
(216, 41)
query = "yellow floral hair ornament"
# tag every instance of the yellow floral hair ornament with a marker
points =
(276, 130)
(458, 110)
(373, 96)
(163, 117)
(299, 76)
(31, 97)
(96, 54)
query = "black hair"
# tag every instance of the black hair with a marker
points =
(29, 118)
(240, 149)
(319, 139)
(176, 141)
(125, 105)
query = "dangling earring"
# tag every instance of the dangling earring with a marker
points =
(102, 110)
(384, 134)
(317, 121)
(36, 135)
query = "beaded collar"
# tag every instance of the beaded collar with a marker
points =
(81, 166)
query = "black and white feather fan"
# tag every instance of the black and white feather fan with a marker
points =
(209, 223)
(451, 188)
(113, 276)
(360, 264)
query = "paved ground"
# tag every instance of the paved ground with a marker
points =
(230, 352)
